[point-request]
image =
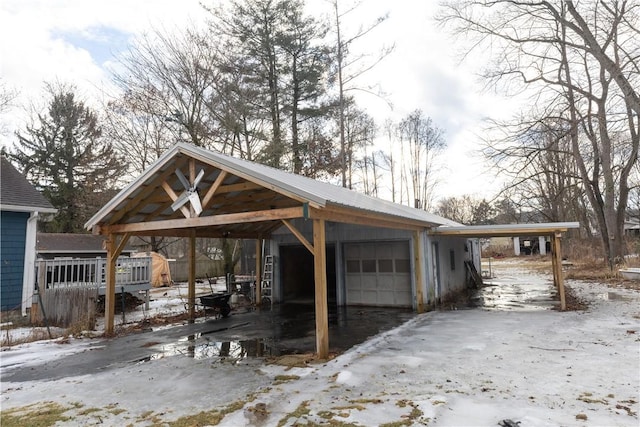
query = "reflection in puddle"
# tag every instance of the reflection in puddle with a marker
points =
(199, 346)
(284, 330)
(511, 296)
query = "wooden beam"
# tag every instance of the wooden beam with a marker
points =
(207, 221)
(418, 262)
(241, 186)
(145, 192)
(298, 234)
(258, 287)
(114, 249)
(350, 216)
(498, 232)
(212, 190)
(172, 194)
(557, 254)
(191, 294)
(320, 275)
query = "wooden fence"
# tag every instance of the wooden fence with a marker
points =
(68, 289)
(180, 269)
(64, 307)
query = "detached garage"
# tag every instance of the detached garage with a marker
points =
(329, 244)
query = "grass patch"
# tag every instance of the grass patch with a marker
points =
(40, 414)
(281, 379)
(300, 411)
(208, 418)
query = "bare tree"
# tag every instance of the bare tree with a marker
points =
(466, 210)
(172, 77)
(580, 63)
(349, 67)
(425, 144)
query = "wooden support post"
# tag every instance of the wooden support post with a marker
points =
(258, 288)
(114, 247)
(320, 275)
(110, 291)
(553, 262)
(557, 255)
(418, 262)
(191, 295)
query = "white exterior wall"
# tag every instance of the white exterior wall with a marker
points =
(451, 278)
(340, 234)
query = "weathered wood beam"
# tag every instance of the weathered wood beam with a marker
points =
(207, 221)
(298, 234)
(173, 196)
(146, 191)
(114, 249)
(320, 275)
(191, 293)
(557, 254)
(258, 287)
(212, 190)
(349, 216)
(241, 186)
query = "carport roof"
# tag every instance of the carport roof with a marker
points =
(505, 230)
(240, 199)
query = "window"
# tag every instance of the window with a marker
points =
(368, 265)
(353, 266)
(385, 266)
(452, 259)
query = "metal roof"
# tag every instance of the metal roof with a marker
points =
(246, 186)
(17, 194)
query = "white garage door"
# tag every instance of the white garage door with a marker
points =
(378, 274)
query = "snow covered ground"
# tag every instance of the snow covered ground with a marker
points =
(443, 368)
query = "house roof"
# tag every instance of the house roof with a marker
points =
(70, 243)
(17, 194)
(241, 199)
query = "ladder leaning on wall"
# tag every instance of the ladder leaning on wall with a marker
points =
(267, 281)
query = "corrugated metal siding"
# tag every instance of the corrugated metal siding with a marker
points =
(13, 229)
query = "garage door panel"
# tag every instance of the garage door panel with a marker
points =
(387, 282)
(403, 298)
(378, 280)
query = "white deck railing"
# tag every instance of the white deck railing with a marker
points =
(131, 273)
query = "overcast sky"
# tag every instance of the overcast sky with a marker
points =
(76, 40)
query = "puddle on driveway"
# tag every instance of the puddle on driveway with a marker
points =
(286, 329)
(512, 295)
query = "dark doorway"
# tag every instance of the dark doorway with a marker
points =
(298, 283)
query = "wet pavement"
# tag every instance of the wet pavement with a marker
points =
(512, 293)
(285, 329)
(281, 330)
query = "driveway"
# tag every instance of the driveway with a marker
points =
(286, 329)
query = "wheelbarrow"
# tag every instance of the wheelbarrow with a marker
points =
(218, 302)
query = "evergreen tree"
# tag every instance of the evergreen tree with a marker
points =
(63, 153)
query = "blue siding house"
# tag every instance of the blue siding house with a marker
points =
(20, 207)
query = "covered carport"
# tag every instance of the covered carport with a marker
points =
(192, 192)
(554, 230)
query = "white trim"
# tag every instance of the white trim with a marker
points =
(20, 208)
(29, 273)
